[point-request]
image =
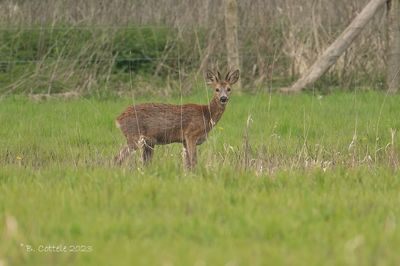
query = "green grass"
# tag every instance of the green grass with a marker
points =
(293, 190)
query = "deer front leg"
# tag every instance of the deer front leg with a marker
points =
(190, 154)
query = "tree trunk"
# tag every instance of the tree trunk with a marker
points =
(231, 35)
(393, 42)
(332, 53)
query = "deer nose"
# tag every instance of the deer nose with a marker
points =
(223, 99)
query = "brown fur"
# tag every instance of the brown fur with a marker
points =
(150, 124)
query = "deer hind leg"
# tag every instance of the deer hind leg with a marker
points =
(125, 152)
(190, 154)
(147, 147)
(122, 155)
(185, 154)
(147, 153)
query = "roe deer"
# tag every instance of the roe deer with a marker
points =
(149, 124)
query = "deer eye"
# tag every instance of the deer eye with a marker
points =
(217, 90)
(229, 89)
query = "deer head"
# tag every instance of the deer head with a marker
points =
(222, 87)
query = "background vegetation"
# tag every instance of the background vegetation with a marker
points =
(97, 46)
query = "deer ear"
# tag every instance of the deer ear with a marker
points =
(232, 77)
(211, 77)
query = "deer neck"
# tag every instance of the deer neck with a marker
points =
(216, 110)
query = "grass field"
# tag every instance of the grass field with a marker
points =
(293, 180)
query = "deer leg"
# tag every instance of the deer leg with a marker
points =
(147, 147)
(190, 154)
(122, 155)
(147, 153)
(186, 159)
(125, 152)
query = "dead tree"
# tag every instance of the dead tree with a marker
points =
(393, 43)
(337, 48)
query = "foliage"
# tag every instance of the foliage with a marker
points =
(82, 46)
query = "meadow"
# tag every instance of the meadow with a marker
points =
(295, 180)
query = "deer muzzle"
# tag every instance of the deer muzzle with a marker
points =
(223, 99)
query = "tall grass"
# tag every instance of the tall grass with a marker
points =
(273, 130)
(302, 180)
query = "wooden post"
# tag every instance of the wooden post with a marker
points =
(231, 35)
(393, 45)
(332, 53)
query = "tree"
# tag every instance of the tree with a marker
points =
(393, 42)
(231, 35)
(333, 52)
